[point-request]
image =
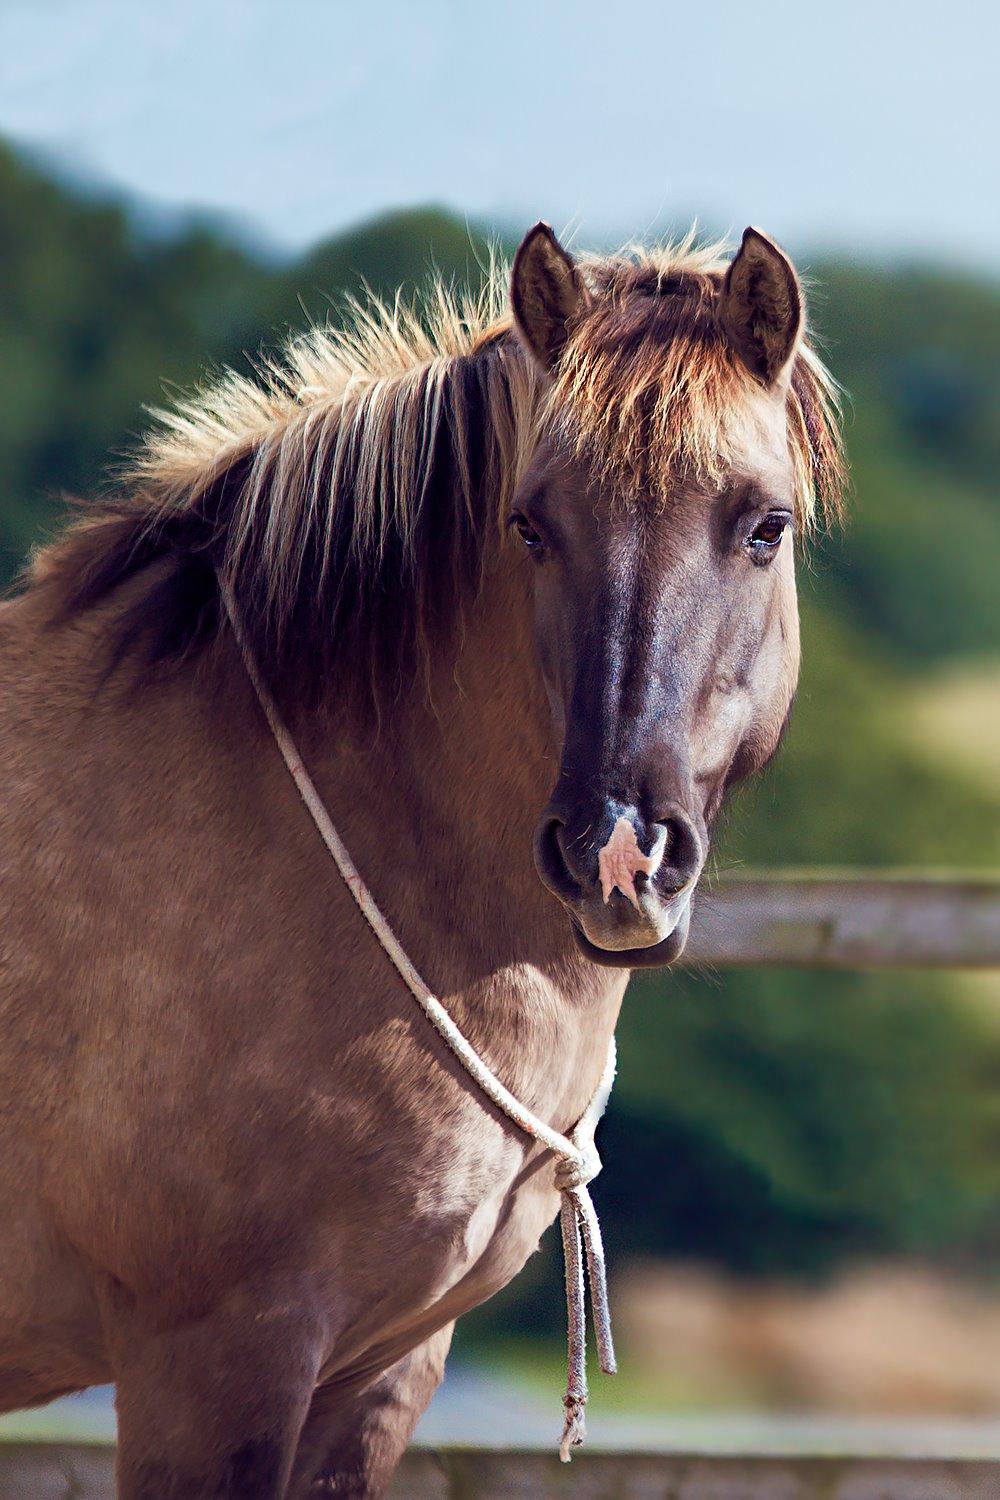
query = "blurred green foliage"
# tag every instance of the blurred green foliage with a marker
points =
(770, 1121)
(782, 1123)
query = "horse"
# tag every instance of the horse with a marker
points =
(518, 567)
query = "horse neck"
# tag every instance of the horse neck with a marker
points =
(438, 810)
(448, 781)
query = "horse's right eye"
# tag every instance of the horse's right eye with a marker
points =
(763, 541)
(529, 536)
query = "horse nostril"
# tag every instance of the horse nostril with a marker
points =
(682, 857)
(596, 851)
(551, 862)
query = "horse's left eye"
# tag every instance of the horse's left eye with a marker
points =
(529, 536)
(763, 540)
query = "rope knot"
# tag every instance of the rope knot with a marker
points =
(577, 1171)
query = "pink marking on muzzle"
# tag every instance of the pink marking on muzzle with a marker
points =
(621, 860)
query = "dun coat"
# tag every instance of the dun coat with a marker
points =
(513, 580)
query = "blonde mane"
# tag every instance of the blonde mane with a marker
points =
(345, 489)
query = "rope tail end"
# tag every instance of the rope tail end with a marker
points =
(575, 1428)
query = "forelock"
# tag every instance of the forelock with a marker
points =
(649, 390)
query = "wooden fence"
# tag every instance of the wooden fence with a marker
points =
(81, 1471)
(845, 920)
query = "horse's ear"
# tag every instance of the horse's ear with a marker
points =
(760, 307)
(547, 295)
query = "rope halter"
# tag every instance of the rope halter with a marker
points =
(578, 1161)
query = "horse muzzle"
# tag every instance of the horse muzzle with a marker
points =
(626, 882)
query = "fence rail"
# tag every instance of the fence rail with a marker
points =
(81, 1471)
(846, 920)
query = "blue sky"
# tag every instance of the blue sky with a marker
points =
(870, 128)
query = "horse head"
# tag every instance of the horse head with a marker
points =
(658, 517)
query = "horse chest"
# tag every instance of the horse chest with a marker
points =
(435, 1200)
(442, 1239)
